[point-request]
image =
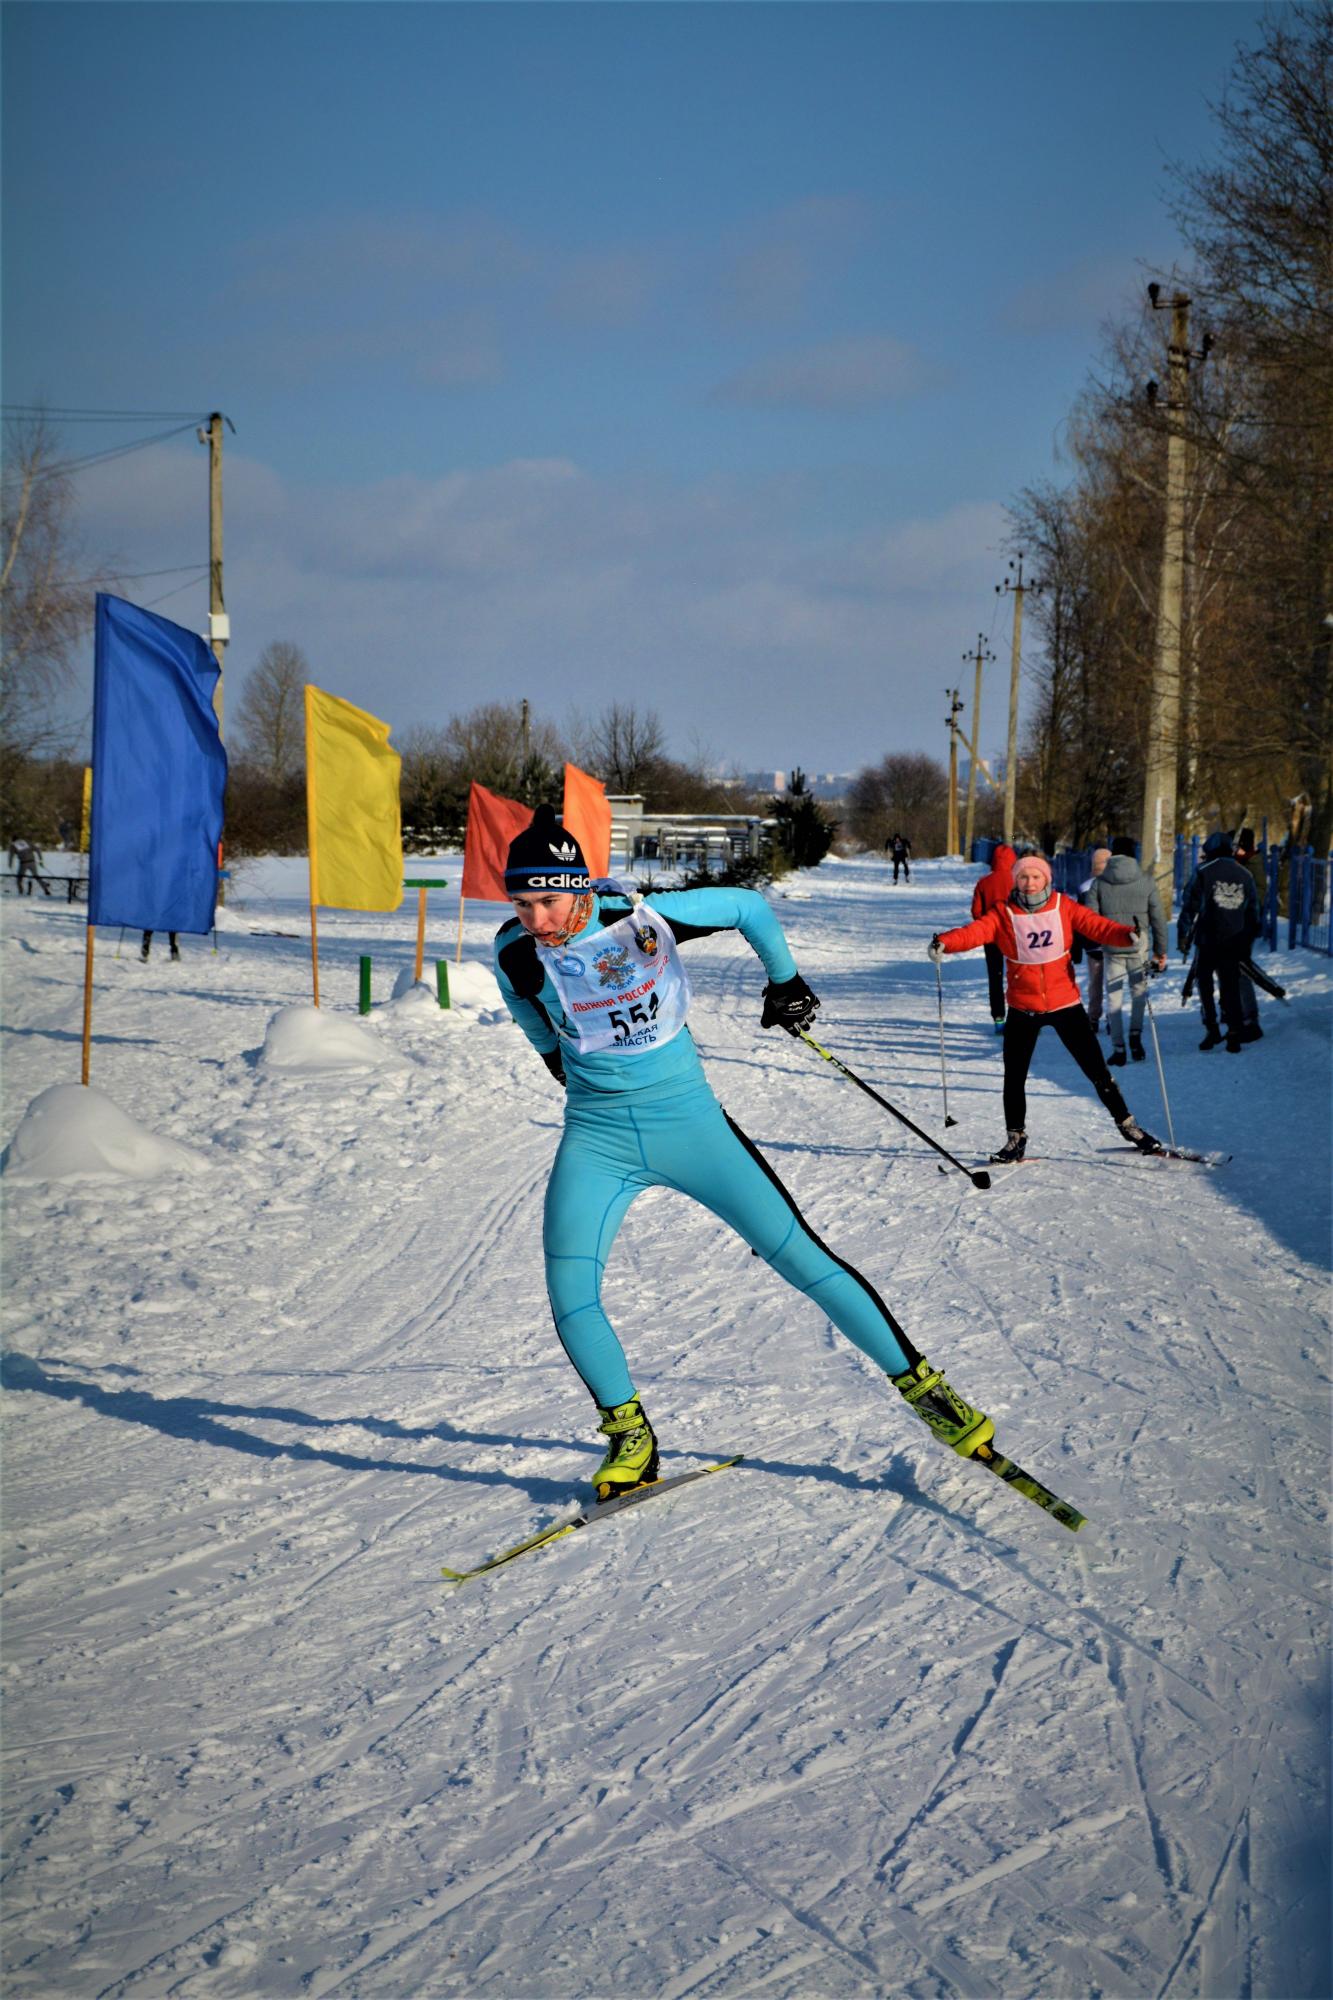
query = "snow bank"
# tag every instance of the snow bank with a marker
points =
(73, 1132)
(474, 997)
(312, 1042)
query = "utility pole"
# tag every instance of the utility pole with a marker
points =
(1159, 779)
(954, 706)
(982, 653)
(525, 726)
(219, 626)
(1019, 588)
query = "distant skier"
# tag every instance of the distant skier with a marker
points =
(594, 978)
(25, 858)
(900, 850)
(147, 945)
(1035, 929)
(991, 891)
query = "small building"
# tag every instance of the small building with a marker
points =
(683, 840)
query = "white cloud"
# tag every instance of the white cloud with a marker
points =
(839, 376)
(725, 605)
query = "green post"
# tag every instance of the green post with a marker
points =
(442, 981)
(365, 986)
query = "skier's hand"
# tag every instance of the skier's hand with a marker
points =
(935, 950)
(555, 1063)
(789, 1004)
(1160, 961)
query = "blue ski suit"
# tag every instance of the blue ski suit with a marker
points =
(639, 1113)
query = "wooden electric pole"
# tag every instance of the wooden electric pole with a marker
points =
(954, 706)
(982, 653)
(219, 627)
(1158, 832)
(1019, 589)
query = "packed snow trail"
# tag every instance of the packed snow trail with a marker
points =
(854, 1720)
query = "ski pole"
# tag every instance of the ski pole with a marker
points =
(978, 1180)
(1161, 1073)
(944, 1074)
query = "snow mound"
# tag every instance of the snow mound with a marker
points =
(311, 1042)
(73, 1132)
(474, 997)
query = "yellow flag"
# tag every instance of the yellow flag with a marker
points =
(356, 839)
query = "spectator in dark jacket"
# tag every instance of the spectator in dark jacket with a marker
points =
(1219, 916)
(991, 891)
(1124, 892)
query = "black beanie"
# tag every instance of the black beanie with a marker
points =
(544, 856)
(1122, 844)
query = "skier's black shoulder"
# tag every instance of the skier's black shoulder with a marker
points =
(516, 956)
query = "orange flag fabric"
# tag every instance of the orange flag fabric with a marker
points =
(492, 822)
(588, 817)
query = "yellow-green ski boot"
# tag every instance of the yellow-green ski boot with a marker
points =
(953, 1421)
(632, 1457)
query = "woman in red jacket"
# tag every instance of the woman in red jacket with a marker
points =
(1034, 929)
(990, 892)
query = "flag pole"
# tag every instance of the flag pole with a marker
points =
(87, 1004)
(421, 931)
(458, 955)
(310, 842)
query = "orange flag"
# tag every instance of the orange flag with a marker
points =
(588, 817)
(492, 822)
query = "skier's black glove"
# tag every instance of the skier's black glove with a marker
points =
(788, 1004)
(554, 1063)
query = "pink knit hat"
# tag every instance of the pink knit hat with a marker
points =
(1037, 861)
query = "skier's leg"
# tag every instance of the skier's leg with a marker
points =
(586, 1199)
(1096, 983)
(738, 1184)
(1020, 1039)
(706, 1156)
(1073, 1027)
(1138, 1002)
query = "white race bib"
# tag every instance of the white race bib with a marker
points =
(623, 988)
(1040, 938)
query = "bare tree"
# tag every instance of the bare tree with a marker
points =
(906, 792)
(46, 598)
(270, 715)
(628, 744)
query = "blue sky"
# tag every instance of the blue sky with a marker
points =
(685, 354)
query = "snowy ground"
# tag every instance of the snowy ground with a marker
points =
(852, 1720)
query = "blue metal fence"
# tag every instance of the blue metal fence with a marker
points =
(1299, 890)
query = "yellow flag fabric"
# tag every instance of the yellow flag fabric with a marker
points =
(352, 810)
(87, 819)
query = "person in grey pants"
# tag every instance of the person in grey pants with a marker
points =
(1123, 892)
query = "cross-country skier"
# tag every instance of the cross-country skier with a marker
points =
(593, 976)
(990, 891)
(1035, 929)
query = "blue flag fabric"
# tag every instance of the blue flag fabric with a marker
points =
(159, 770)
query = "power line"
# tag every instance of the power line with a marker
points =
(80, 416)
(115, 451)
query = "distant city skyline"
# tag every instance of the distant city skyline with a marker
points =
(686, 356)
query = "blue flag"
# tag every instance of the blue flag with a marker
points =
(159, 769)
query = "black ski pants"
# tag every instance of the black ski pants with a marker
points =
(1074, 1028)
(1223, 960)
(904, 865)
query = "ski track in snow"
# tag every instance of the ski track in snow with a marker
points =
(854, 1720)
